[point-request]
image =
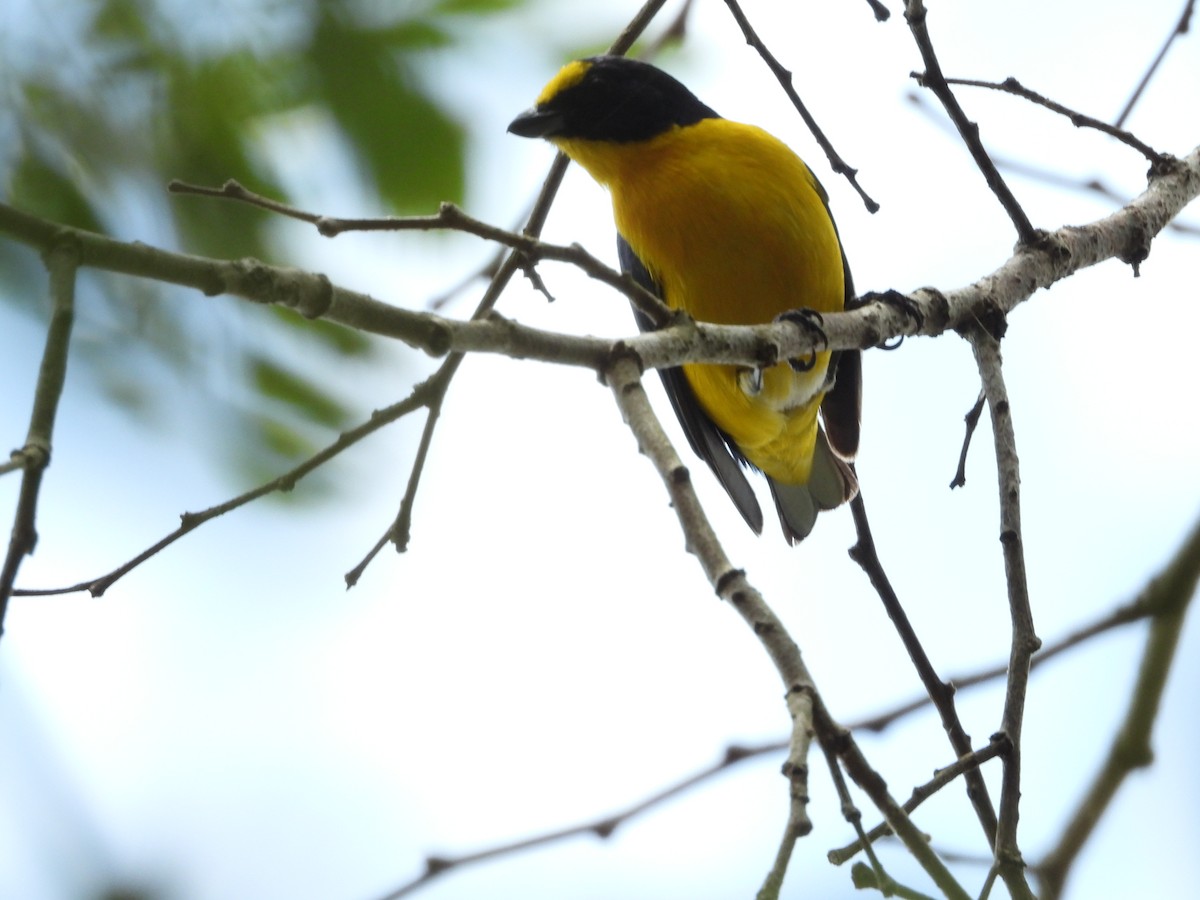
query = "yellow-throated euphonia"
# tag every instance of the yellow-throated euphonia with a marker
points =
(725, 222)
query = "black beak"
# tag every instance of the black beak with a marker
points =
(536, 123)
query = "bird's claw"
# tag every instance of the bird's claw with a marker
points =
(906, 305)
(809, 320)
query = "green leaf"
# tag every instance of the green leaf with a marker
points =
(411, 150)
(42, 189)
(343, 340)
(283, 439)
(475, 7)
(114, 19)
(415, 34)
(218, 102)
(293, 390)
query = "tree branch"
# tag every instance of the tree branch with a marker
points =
(964, 765)
(784, 77)
(1125, 234)
(1170, 593)
(1144, 605)
(623, 376)
(932, 78)
(603, 827)
(869, 780)
(61, 258)
(1025, 642)
(940, 693)
(190, 521)
(1180, 29)
(1079, 120)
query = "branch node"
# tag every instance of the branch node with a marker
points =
(727, 578)
(435, 865)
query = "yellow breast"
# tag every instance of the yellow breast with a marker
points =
(733, 226)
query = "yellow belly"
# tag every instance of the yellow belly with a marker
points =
(734, 228)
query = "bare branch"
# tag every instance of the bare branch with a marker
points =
(1170, 592)
(965, 765)
(972, 422)
(1138, 609)
(285, 482)
(1025, 642)
(882, 881)
(940, 693)
(603, 827)
(882, 13)
(450, 217)
(400, 530)
(1078, 119)
(1125, 234)
(623, 375)
(62, 261)
(1042, 174)
(1141, 607)
(1180, 29)
(932, 78)
(784, 77)
(894, 814)
(637, 26)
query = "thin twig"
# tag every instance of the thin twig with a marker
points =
(882, 13)
(1134, 611)
(972, 422)
(735, 754)
(963, 765)
(488, 270)
(795, 769)
(940, 693)
(285, 482)
(527, 247)
(603, 827)
(1025, 642)
(399, 531)
(932, 78)
(623, 376)
(62, 262)
(869, 780)
(784, 77)
(1126, 234)
(674, 33)
(1171, 593)
(1180, 29)
(1041, 174)
(853, 816)
(1078, 119)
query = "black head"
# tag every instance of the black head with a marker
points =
(610, 98)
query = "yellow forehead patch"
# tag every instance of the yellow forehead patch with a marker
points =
(568, 76)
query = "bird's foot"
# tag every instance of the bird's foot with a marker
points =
(906, 305)
(808, 320)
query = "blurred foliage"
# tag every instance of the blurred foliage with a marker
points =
(101, 103)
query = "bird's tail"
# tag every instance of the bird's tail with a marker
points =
(830, 484)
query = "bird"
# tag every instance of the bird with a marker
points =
(722, 221)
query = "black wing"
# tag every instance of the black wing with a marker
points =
(841, 409)
(709, 442)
